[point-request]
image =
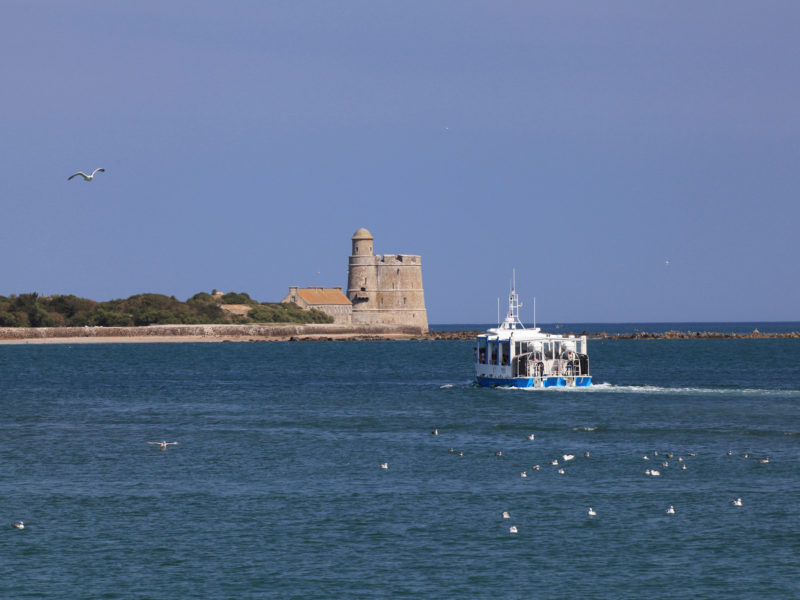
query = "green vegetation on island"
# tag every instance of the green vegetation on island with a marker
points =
(33, 310)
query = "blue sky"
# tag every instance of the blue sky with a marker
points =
(582, 143)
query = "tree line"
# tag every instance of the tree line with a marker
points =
(33, 310)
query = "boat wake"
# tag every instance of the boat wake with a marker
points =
(654, 389)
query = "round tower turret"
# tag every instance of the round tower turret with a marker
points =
(362, 242)
(362, 276)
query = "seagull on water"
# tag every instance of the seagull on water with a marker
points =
(523, 474)
(737, 502)
(506, 515)
(592, 512)
(567, 457)
(512, 529)
(671, 510)
(85, 176)
(18, 525)
(531, 437)
(385, 465)
(164, 444)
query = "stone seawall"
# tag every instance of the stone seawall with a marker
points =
(210, 333)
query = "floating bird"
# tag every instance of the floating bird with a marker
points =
(506, 515)
(561, 471)
(648, 472)
(536, 467)
(683, 467)
(763, 461)
(85, 176)
(746, 455)
(645, 457)
(680, 459)
(461, 454)
(592, 512)
(531, 437)
(435, 432)
(498, 453)
(18, 525)
(523, 474)
(665, 464)
(164, 444)
(729, 453)
(512, 529)
(554, 462)
(452, 450)
(691, 454)
(567, 457)
(384, 465)
(671, 510)
(586, 454)
(669, 455)
(655, 473)
(737, 502)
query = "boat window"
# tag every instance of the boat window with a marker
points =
(505, 352)
(493, 353)
(482, 350)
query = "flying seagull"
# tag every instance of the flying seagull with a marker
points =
(85, 176)
(164, 444)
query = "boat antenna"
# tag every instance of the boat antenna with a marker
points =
(534, 312)
(498, 311)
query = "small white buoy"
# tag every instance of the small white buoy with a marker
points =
(592, 512)
(512, 529)
(671, 510)
(18, 525)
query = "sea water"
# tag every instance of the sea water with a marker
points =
(276, 489)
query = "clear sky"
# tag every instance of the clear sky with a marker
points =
(582, 143)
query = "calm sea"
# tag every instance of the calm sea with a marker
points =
(275, 490)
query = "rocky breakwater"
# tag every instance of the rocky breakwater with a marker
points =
(205, 333)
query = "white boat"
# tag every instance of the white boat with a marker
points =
(512, 356)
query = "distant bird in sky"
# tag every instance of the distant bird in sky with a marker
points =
(18, 525)
(164, 444)
(666, 263)
(85, 176)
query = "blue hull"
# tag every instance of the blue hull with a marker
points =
(527, 382)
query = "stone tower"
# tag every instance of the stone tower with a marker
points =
(385, 290)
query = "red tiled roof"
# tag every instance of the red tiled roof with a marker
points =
(323, 295)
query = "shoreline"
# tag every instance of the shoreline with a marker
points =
(302, 333)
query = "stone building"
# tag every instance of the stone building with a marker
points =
(385, 290)
(329, 300)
